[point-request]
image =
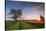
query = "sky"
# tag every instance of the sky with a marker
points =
(30, 10)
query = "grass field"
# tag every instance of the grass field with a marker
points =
(11, 25)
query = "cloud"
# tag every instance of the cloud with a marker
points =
(33, 11)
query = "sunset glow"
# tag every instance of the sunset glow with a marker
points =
(29, 18)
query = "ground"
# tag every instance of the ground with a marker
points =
(11, 25)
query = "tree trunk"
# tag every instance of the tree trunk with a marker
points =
(20, 25)
(15, 21)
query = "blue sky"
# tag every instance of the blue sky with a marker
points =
(31, 9)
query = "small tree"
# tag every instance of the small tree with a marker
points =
(16, 14)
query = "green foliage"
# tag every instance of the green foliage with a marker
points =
(11, 26)
(16, 13)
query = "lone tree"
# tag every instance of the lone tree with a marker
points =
(16, 14)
